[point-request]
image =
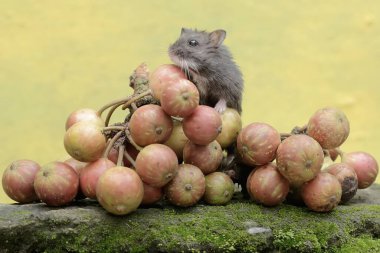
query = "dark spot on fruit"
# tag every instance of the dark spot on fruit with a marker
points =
(185, 96)
(349, 188)
(12, 167)
(188, 187)
(308, 164)
(45, 173)
(159, 130)
(219, 129)
(169, 176)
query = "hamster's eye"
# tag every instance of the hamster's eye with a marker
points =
(193, 43)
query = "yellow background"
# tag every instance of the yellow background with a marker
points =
(296, 57)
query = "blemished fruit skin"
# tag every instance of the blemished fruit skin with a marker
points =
(219, 188)
(347, 178)
(157, 165)
(196, 129)
(267, 186)
(365, 166)
(329, 126)
(187, 187)
(323, 193)
(56, 184)
(18, 180)
(206, 157)
(120, 190)
(257, 143)
(299, 159)
(150, 124)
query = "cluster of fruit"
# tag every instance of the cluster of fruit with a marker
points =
(173, 147)
(299, 166)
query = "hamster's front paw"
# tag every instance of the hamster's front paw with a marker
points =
(221, 106)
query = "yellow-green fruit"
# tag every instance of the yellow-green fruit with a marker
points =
(231, 126)
(219, 188)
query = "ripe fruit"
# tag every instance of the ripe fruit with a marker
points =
(18, 180)
(206, 157)
(203, 125)
(323, 193)
(257, 143)
(85, 141)
(151, 194)
(56, 184)
(163, 76)
(120, 190)
(329, 126)
(219, 188)
(365, 166)
(231, 126)
(347, 178)
(150, 124)
(180, 98)
(299, 159)
(267, 186)
(90, 174)
(84, 114)
(187, 187)
(156, 164)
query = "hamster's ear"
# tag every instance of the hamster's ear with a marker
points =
(217, 37)
(184, 30)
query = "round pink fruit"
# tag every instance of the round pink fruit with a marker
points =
(163, 76)
(180, 98)
(329, 126)
(257, 143)
(90, 174)
(203, 125)
(18, 180)
(120, 190)
(84, 114)
(206, 157)
(150, 124)
(267, 186)
(323, 193)
(156, 164)
(151, 194)
(56, 184)
(299, 159)
(365, 166)
(187, 187)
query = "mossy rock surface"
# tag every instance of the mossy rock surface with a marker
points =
(240, 226)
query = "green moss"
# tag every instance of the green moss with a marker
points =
(207, 229)
(364, 244)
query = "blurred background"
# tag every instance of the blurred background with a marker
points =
(296, 57)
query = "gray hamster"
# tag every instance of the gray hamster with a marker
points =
(209, 64)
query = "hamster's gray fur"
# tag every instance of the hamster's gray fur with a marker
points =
(209, 64)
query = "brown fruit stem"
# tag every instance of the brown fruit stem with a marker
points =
(110, 112)
(135, 98)
(299, 130)
(121, 155)
(109, 128)
(130, 139)
(111, 143)
(112, 103)
(130, 159)
(340, 153)
(285, 135)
